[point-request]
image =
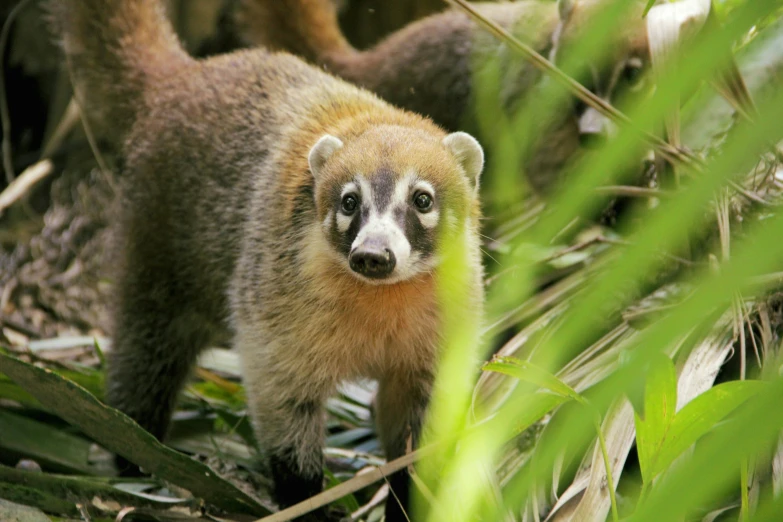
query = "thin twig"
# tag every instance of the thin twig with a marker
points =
(573, 248)
(5, 118)
(631, 191)
(64, 126)
(349, 486)
(19, 327)
(24, 182)
(374, 502)
(739, 189)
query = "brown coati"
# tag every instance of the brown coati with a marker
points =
(270, 201)
(431, 66)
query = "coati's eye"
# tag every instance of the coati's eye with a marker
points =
(349, 204)
(423, 201)
(633, 74)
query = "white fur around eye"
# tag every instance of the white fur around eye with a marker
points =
(348, 188)
(430, 219)
(424, 186)
(343, 221)
(328, 220)
(365, 191)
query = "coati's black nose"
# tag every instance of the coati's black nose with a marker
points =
(372, 261)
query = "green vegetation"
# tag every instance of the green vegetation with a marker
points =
(639, 373)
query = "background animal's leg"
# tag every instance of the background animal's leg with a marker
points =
(400, 409)
(155, 346)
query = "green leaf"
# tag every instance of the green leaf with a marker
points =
(48, 445)
(660, 403)
(525, 371)
(650, 4)
(11, 391)
(349, 502)
(10, 512)
(700, 415)
(59, 493)
(120, 434)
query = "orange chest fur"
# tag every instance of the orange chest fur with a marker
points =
(378, 329)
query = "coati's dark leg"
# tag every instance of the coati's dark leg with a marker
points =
(156, 342)
(287, 405)
(401, 405)
(296, 462)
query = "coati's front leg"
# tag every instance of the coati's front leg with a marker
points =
(287, 407)
(401, 405)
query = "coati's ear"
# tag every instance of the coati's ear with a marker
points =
(564, 7)
(321, 152)
(468, 153)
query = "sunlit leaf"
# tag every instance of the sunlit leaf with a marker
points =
(528, 372)
(660, 403)
(701, 415)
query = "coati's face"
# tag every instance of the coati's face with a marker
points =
(621, 72)
(386, 198)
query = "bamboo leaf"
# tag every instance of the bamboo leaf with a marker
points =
(699, 416)
(525, 371)
(660, 403)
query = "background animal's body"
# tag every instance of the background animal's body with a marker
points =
(429, 66)
(227, 230)
(434, 66)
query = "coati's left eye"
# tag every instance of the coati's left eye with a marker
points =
(423, 201)
(633, 74)
(349, 204)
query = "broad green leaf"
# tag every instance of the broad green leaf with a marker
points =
(58, 493)
(31, 496)
(11, 391)
(660, 403)
(48, 445)
(525, 371)
(700, 415)
(120, 434)
(11, 512)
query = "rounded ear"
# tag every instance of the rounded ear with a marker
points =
(321, 152)
(468, 153)
(564, 7)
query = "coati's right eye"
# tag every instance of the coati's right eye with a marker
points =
(349, 204)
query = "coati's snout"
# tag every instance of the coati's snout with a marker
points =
(374, 260)
(383, 208)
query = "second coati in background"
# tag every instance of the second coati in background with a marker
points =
(268, 201)
(431, 65)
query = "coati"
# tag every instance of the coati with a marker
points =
(267, 200)
(431, 66)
